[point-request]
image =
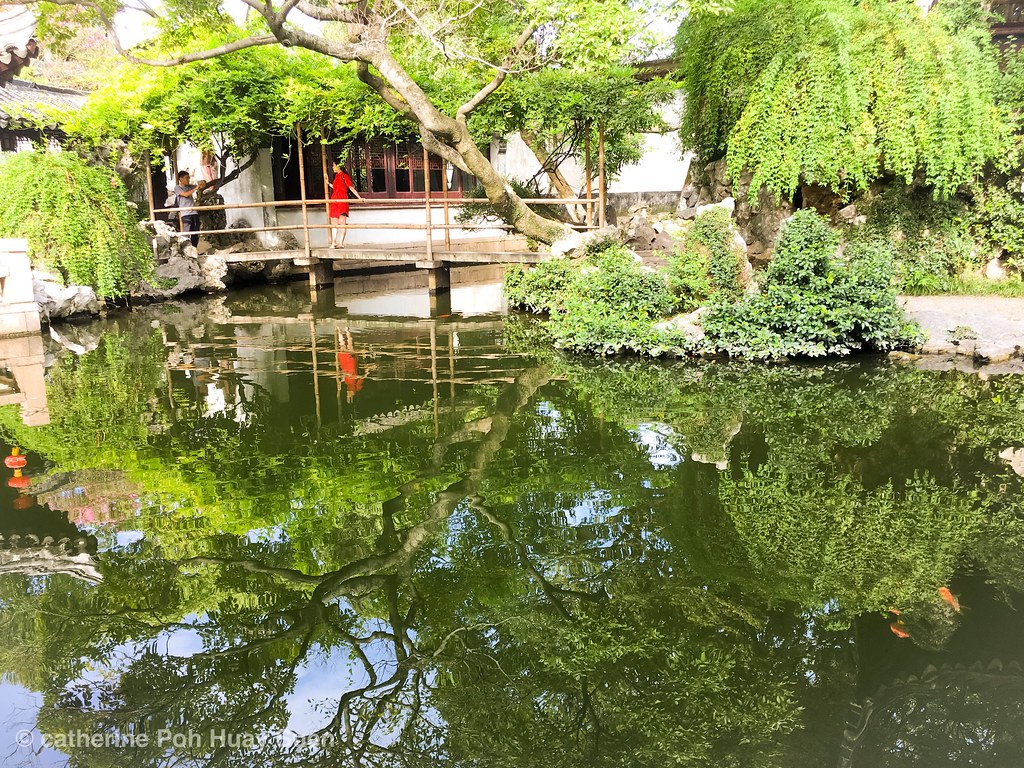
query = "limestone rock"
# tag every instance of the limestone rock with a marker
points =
(728, 203)
(277, 271)
(576, 242)
(995, 270)
(820, 198)
(1015, 458)
(212, 269)
(76, 338)
(689, 324)
(995, 352)
(58, 301)
(567, 245)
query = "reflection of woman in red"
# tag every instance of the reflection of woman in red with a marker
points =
(348, 364)
(340, 188)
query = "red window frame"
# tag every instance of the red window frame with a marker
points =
(383, 170)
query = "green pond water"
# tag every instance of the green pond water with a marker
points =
(260, 532)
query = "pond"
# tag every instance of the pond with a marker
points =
(259, 531)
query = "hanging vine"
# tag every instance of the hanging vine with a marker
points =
(76, 219)
(837, 93)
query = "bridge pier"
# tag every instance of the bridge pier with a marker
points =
(439, 285)
(321, 274)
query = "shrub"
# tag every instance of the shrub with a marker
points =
(76, 220)
(999, 216)
(708, 266)
(612, 279)
(812, 304)
(931, 238)
(540, 288)
(607, 302)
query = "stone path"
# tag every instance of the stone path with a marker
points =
(966, 332)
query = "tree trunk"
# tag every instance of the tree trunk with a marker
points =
(554, 174)
(450, 138)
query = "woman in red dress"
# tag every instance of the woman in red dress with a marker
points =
(338, 212)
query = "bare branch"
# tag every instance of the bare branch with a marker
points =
(143, 7)
(187, 58)
(438, 43)
(323, 13)
(108, 25)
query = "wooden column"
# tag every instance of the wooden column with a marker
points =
(602, 190)
(316, 369)
(149, 184)
(327, 206)
(433, 374)
(586, 173)
(426, 194)
(149, 193)
(302, 190)
(444, 190)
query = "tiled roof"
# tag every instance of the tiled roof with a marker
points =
(20, 98)
(17, 44)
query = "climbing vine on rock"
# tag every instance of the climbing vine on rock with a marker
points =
(839, 94)
(76, 220)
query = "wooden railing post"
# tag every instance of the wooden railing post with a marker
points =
(149, 184)
(586, 173)
(327, 206)
(444, 188)
(426, 194)
(302, 190)
(602, 190)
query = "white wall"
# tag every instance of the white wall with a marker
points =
(663, 167)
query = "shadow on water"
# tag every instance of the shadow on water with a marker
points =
(258, 531)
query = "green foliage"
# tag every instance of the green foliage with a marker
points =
(932, 239)
(540, 288)
(810, 303)
(836, 93)
(239, 100)
(813, 304)
(999, 215)
(605, 303)
(76, 219)
(972, 285)
(708, 265)
(613, 278)
(100, 404)
(476, 205)
(562, 577)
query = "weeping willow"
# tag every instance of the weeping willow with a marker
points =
(838, 93)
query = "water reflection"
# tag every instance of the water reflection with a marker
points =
(326, 539)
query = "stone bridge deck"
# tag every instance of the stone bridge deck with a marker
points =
(419, 257)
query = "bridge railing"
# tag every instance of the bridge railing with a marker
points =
(593, 217)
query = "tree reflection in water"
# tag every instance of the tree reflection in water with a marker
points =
(550, 564)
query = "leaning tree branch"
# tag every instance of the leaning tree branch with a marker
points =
(382, 89)
(442, 150)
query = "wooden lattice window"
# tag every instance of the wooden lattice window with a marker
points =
(379, 169)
